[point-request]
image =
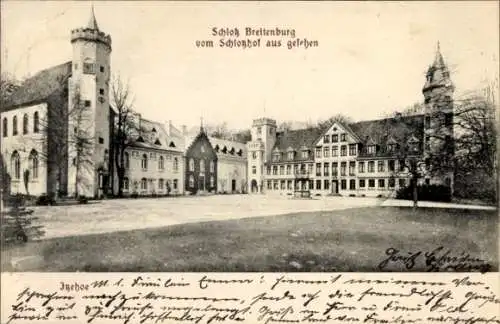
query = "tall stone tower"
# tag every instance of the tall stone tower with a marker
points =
(89, 108)
(438, 124)
(259, 152)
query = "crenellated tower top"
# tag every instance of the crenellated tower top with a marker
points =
(91, 32)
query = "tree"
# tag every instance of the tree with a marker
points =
(125, 128)
(336, 118)
(285, 126)
(8, 84)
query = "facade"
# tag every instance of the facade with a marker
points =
(231, 166)
(200, 165)
(369, 158)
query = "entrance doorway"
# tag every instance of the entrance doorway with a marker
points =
(335, 187)
(254, 186)
(233, 185)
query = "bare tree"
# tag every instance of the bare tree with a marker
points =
(285, 126)
(8, 84)
(336, 118)
(125, 128)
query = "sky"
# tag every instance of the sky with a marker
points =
(371, 57)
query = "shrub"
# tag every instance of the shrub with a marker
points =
(426, 192)
(45, 200)
(83, 200)
(134, 195)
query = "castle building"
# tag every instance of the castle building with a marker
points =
(368, 158)
(56, 126)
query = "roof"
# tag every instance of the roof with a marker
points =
(219, 144)
(154, 136)
(40, 86)
(389, 130)
(297, 139)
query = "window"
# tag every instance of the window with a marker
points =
(326, 151)
(125, 183)
(36, 122)
(362, 183)
(269, 184)
(276, 157)
(202, 166)
(259, 130)
(254, 169)
(427, 121)
(160, 184)
(326, 170)
(5, 127)
(14, 126)
(371, 183)
(343, 166)
(392, 183)
(176, 164)
(33, 162)
(318, 169)
(310, 168)
(361, 167)
(254, 155)
(282, 185)
(101, 68)
(391, 165)
(343, 184)
(391, 147)
(326, 139)
(335, 138)
(371, 149)
(275, 185)
(318, 184)
(101, 91)
(191, 164)
(290, 155)
(318, 152)
(144, 184)
(402, 165)
(289, 185)
(88, 103)
(275, 170)
(352, 168)
(282, 169)
(352, 184)
(343, 137)
(334, 168)
(144, 162)
(88, 68)
(352, 149)
(343, 150)
(212, 166)
(175, 184)
(402, 183)
(191, 181)
(289, 169)
(371, 166)
(381, 183)
(305, 154)
(326, 184)
(161, 163)
(25, 124)
(101, 140)
(268, 170)
(212, 181)
(381, 166)
(334, 150)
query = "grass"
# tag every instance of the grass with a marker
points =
(343, 240)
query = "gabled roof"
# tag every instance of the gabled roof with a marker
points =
(153, 135)
(228, 144)
(297, 139)
(40, 86)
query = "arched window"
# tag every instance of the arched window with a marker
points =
(212, 166)
(125, 183)
(160, 184)
(191, 181)
(15, 162)
(14, 126)
(5, 127)
(191, 164)
(144, 184)
(202, 166)
(36, 123)
(126, 160)
(33, 160)
(161, 163)
(25, 124)
(176, 165)
(144, 162)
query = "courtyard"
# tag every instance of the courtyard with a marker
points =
(252, 233)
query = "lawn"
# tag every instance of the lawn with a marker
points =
(342, 240)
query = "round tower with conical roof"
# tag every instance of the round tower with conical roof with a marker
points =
(89, 88)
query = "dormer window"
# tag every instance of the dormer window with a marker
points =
(240, 152)
(217, 148)
(290, 155)
(224, 150)
(391, 147)
(157, 142)
(305, 154)
(232, 151)
(276, 157)
(371, 149)
(172, 144)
